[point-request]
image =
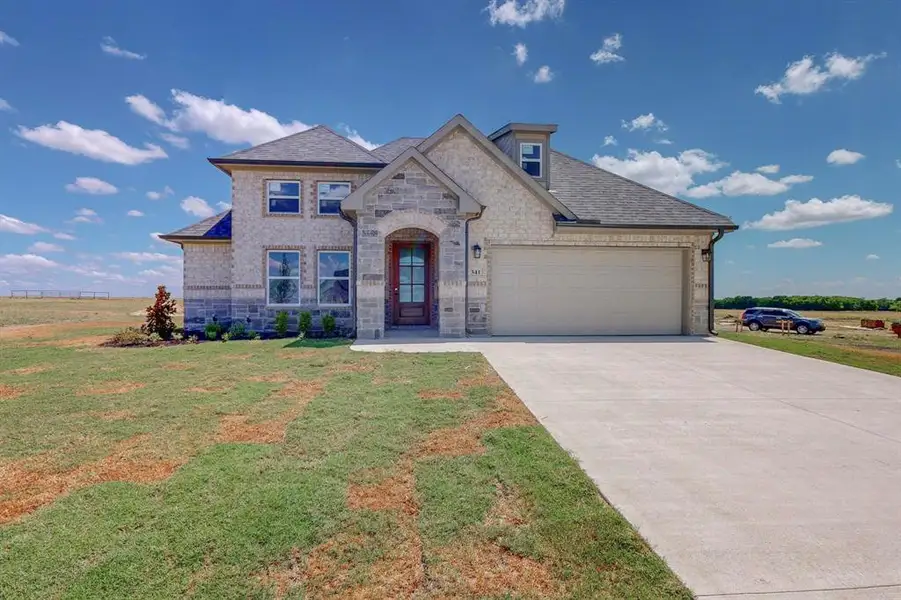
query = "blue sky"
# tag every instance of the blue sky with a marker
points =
(116, 115)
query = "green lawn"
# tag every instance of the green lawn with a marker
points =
(278, 470)
(872, 358)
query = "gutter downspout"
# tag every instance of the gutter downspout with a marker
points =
(353, 223)
(466, 269)
(711, 319)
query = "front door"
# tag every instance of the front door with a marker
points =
(411, 284)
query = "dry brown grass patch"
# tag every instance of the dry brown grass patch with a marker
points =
(485, 377)
(439, 394)
(399, 573)
(353, 367)
(486, 569)
(393, 493)
(302, 389)
(29, 370)
(8, 392)
(208, 390)
(236, 356)
(295, 354)
(283, 576)
(90, 340)
(33, 482)
(236, 428)
(509, 509)
(111, 387)
(271, 378)
(114, 415)
(49, 330)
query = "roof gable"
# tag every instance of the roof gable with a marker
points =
(319, 145)
(461, 122)
(466, 203)
(600, 197)
(217, 227)
(394, 148)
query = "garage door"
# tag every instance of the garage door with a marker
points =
(586, 291)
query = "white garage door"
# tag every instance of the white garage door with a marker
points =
(586, 291)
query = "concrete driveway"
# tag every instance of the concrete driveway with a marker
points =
(754, 473)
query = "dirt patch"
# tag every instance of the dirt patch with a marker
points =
(485, 569)
(439, 394)
(208, 390)
(90, 340)
(111, 387)
(393, 493)
(33, 482)
(8, 392)
(237, 428)
(114, 415)
(29, 370)
(49, 330)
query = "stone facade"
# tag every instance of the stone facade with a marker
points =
(514, 216)
(207, 283)
(410, 199)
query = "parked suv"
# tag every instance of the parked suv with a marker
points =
(762, 318)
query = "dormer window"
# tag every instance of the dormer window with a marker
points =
(530, 158)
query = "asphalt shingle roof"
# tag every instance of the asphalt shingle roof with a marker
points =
(317, 145)
(395, 148)
(602, 197)
(217, 227)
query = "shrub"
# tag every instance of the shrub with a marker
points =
(281, 324)
(237, 331)
(253, 335)
(226, 337)
(212, 331)
(130, 336)
(154, 338)
(177, 337)
(305, 323)
(328, 325)
(159, 315)
(192, 339)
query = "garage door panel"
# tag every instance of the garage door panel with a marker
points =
(586, 291)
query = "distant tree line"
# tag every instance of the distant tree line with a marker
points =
(810, 302)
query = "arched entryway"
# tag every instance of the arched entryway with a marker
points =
(411, 279)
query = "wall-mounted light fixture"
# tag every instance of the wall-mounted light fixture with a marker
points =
(705, 255)
(476, 251)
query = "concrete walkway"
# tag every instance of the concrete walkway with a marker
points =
(754, 473)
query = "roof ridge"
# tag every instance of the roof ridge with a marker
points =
(347, 139)
(284, 137)
(647, 187)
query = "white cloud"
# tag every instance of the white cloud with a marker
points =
(167, 191)
(607, 52)
(768, 169)
(197, 207)
(804, 77)
(149, 257)
(543, 75)
(664, 141)
(21, 264)
(521, 53)
(109, 46)
(645, 122)
(898, 162)
(872, 257)
(843, 157)
(610, 141)
(86, 215)
(816, 213)
(64, 236)
(13, 225)
(45, 247)
(669, 174)
(147, 109)
(221, 121)
(93, 143)
(746, 184)
(795, 244)
(5, 38)
(135, 213)
(223, 205)
(162, 271)
(155, 236)
(356, 138)
(91, 185)
(514, 13)
(176, 140)
(6, 106)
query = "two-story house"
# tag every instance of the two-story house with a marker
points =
(460, 232)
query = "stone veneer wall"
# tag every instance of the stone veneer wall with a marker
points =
(513, 215)
(411, 235)
(411, 199)
(254, 231)
(207, 284)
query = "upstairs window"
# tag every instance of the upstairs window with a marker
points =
(283, 197)
(530, 159)
(331, 194)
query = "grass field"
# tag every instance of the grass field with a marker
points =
(280, 470)
(842, 342)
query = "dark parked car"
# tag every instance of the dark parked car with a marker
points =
(762, 318)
